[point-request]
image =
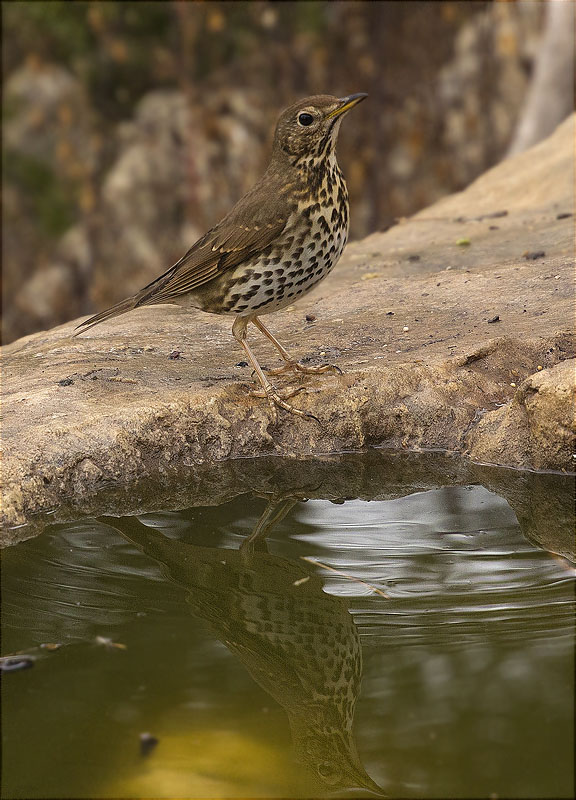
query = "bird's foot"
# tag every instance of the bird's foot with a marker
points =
(277, 399)
(295, 366)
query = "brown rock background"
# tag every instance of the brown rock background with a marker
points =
(129, 128)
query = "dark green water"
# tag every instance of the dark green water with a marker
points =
(262, 674)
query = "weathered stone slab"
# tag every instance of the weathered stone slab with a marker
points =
(456, 346)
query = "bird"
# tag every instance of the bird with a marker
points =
(276, 244)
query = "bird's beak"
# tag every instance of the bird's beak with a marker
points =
(346, 103)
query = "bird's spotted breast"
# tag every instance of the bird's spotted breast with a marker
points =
(308, 248)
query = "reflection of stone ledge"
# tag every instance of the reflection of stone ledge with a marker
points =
(542, 502)
(424, 366)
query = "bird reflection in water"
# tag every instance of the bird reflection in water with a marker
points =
(298, 643)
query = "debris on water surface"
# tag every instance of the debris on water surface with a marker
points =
(534, 255)
(15, 663)
(147, 743)
(345, 575)
(494, 319)
(109, 644)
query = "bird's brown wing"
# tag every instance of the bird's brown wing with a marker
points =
(247, 230)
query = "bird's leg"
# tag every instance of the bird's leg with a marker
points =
(291, 363)
(275, 511)
(269, 391)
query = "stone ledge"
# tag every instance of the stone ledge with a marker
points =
(470, 359)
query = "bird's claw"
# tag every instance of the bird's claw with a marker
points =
(278, 399)
(295, 366)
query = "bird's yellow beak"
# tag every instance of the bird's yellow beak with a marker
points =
(346, 103)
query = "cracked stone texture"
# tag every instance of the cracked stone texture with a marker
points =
(453, 329)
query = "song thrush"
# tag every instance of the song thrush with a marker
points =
(278, 242)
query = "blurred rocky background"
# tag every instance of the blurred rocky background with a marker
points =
(131, 127)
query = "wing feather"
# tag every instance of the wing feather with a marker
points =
(250, 227)
(230, 243)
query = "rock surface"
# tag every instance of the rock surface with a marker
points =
(453, 330)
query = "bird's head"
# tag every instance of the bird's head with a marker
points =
(310, 126)
(331, 760)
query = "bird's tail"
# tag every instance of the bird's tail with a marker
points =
(114, 311)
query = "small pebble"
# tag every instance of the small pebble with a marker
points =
(494, 319)
(532, 256)
(175, 354)
(463, 242)
(539, 367)
(389, 313)
(414, 258)
(65, 382)
(369, 275)
(242, 364)
(310, 317)
(512, 384)
(147, 743)
(405, 328)
(564, 215)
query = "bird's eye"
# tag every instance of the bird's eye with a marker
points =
(305, 119)
(329, 772)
